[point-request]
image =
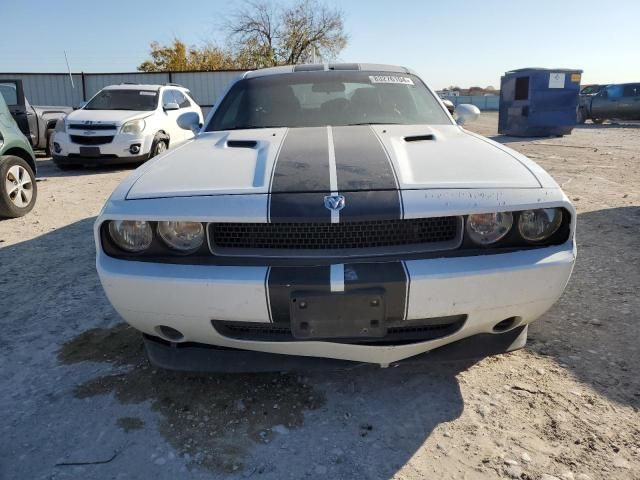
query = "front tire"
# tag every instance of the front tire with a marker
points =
(580, 117)
(49, 147)
(597, 121)
(158, 147)
(18, 188)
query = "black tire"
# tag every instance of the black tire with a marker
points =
(597, 121)
(159, 146)
(49, 145)
(580, 117)
(14, 171)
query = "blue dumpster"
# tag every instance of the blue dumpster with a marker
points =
(538, 102)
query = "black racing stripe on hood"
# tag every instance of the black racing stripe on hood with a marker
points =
(283, 281)
(361, 161)
(366, 176)
(302, 165)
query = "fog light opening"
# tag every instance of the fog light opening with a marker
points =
(56, 147)
(169, 333)
(135, 148)
(506, 324)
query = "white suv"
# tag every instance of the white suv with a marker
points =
(127, 123)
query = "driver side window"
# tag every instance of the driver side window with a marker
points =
(614, 91)
(168, 97)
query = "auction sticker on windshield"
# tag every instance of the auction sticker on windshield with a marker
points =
(390, 79)
(147, 92)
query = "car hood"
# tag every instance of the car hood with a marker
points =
(117, 117)
(333, 159)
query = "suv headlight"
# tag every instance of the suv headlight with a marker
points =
(131, 235)
(488, 228)
(538, 225)
(182, 236)
(133, 126)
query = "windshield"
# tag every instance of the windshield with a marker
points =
(313, 99)
(144, 100)
(591, 89)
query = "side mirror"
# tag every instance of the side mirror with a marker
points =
(81, 105)
(171, 106)
(189, 121)
(449, 105)
(466, 112)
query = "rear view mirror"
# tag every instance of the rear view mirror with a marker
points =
(189, 121)
(465, 112)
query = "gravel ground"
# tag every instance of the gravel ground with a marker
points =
(80, 401)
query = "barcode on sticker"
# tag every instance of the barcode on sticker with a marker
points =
(390, 79)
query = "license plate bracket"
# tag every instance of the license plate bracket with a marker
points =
(318, 315)
(90, 152)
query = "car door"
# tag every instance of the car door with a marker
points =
(170, 119)
(21, 112)
(630, 102)
(607, 103)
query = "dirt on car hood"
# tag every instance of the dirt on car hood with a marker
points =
(333, 159)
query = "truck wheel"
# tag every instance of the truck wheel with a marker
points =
(49, 147)
(597, 121)
(580, 117)
(18, 188)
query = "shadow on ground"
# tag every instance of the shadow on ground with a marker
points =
(594, 328)
(46, 168)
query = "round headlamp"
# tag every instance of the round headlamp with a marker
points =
(131, 235)
(182, 236)
(538, 225)
(488, 228)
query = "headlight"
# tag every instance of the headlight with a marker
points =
(538, 225)
(488, 228)
(133, 126)
(131, 235)
(60, 125)
(182, 236)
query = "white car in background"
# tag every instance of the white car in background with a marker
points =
(127, 123)
(333, 211)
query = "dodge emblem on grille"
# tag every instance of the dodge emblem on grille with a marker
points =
(334, 202)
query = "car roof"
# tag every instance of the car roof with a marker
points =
(141, 86)
(319, 67)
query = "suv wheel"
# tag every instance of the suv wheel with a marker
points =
(18, 189)
(158, 147)
(580, 117)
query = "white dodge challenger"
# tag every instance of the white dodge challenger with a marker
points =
(333, 213)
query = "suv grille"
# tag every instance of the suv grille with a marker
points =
(95, 126)
(100, 140)
(423, 233)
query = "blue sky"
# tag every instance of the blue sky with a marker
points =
(447, 43)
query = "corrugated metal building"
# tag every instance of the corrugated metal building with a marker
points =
(57, 89)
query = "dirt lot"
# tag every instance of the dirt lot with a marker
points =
(79, 400)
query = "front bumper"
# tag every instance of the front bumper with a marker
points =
(487, 289)
(116, 151)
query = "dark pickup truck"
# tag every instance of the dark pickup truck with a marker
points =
(37, 123)
(620, 101)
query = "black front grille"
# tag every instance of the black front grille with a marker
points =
(97, 140)
(334, 236)
(96, 126)
(398, 333)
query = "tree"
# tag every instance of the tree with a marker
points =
(262, 34)
(177, 57)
